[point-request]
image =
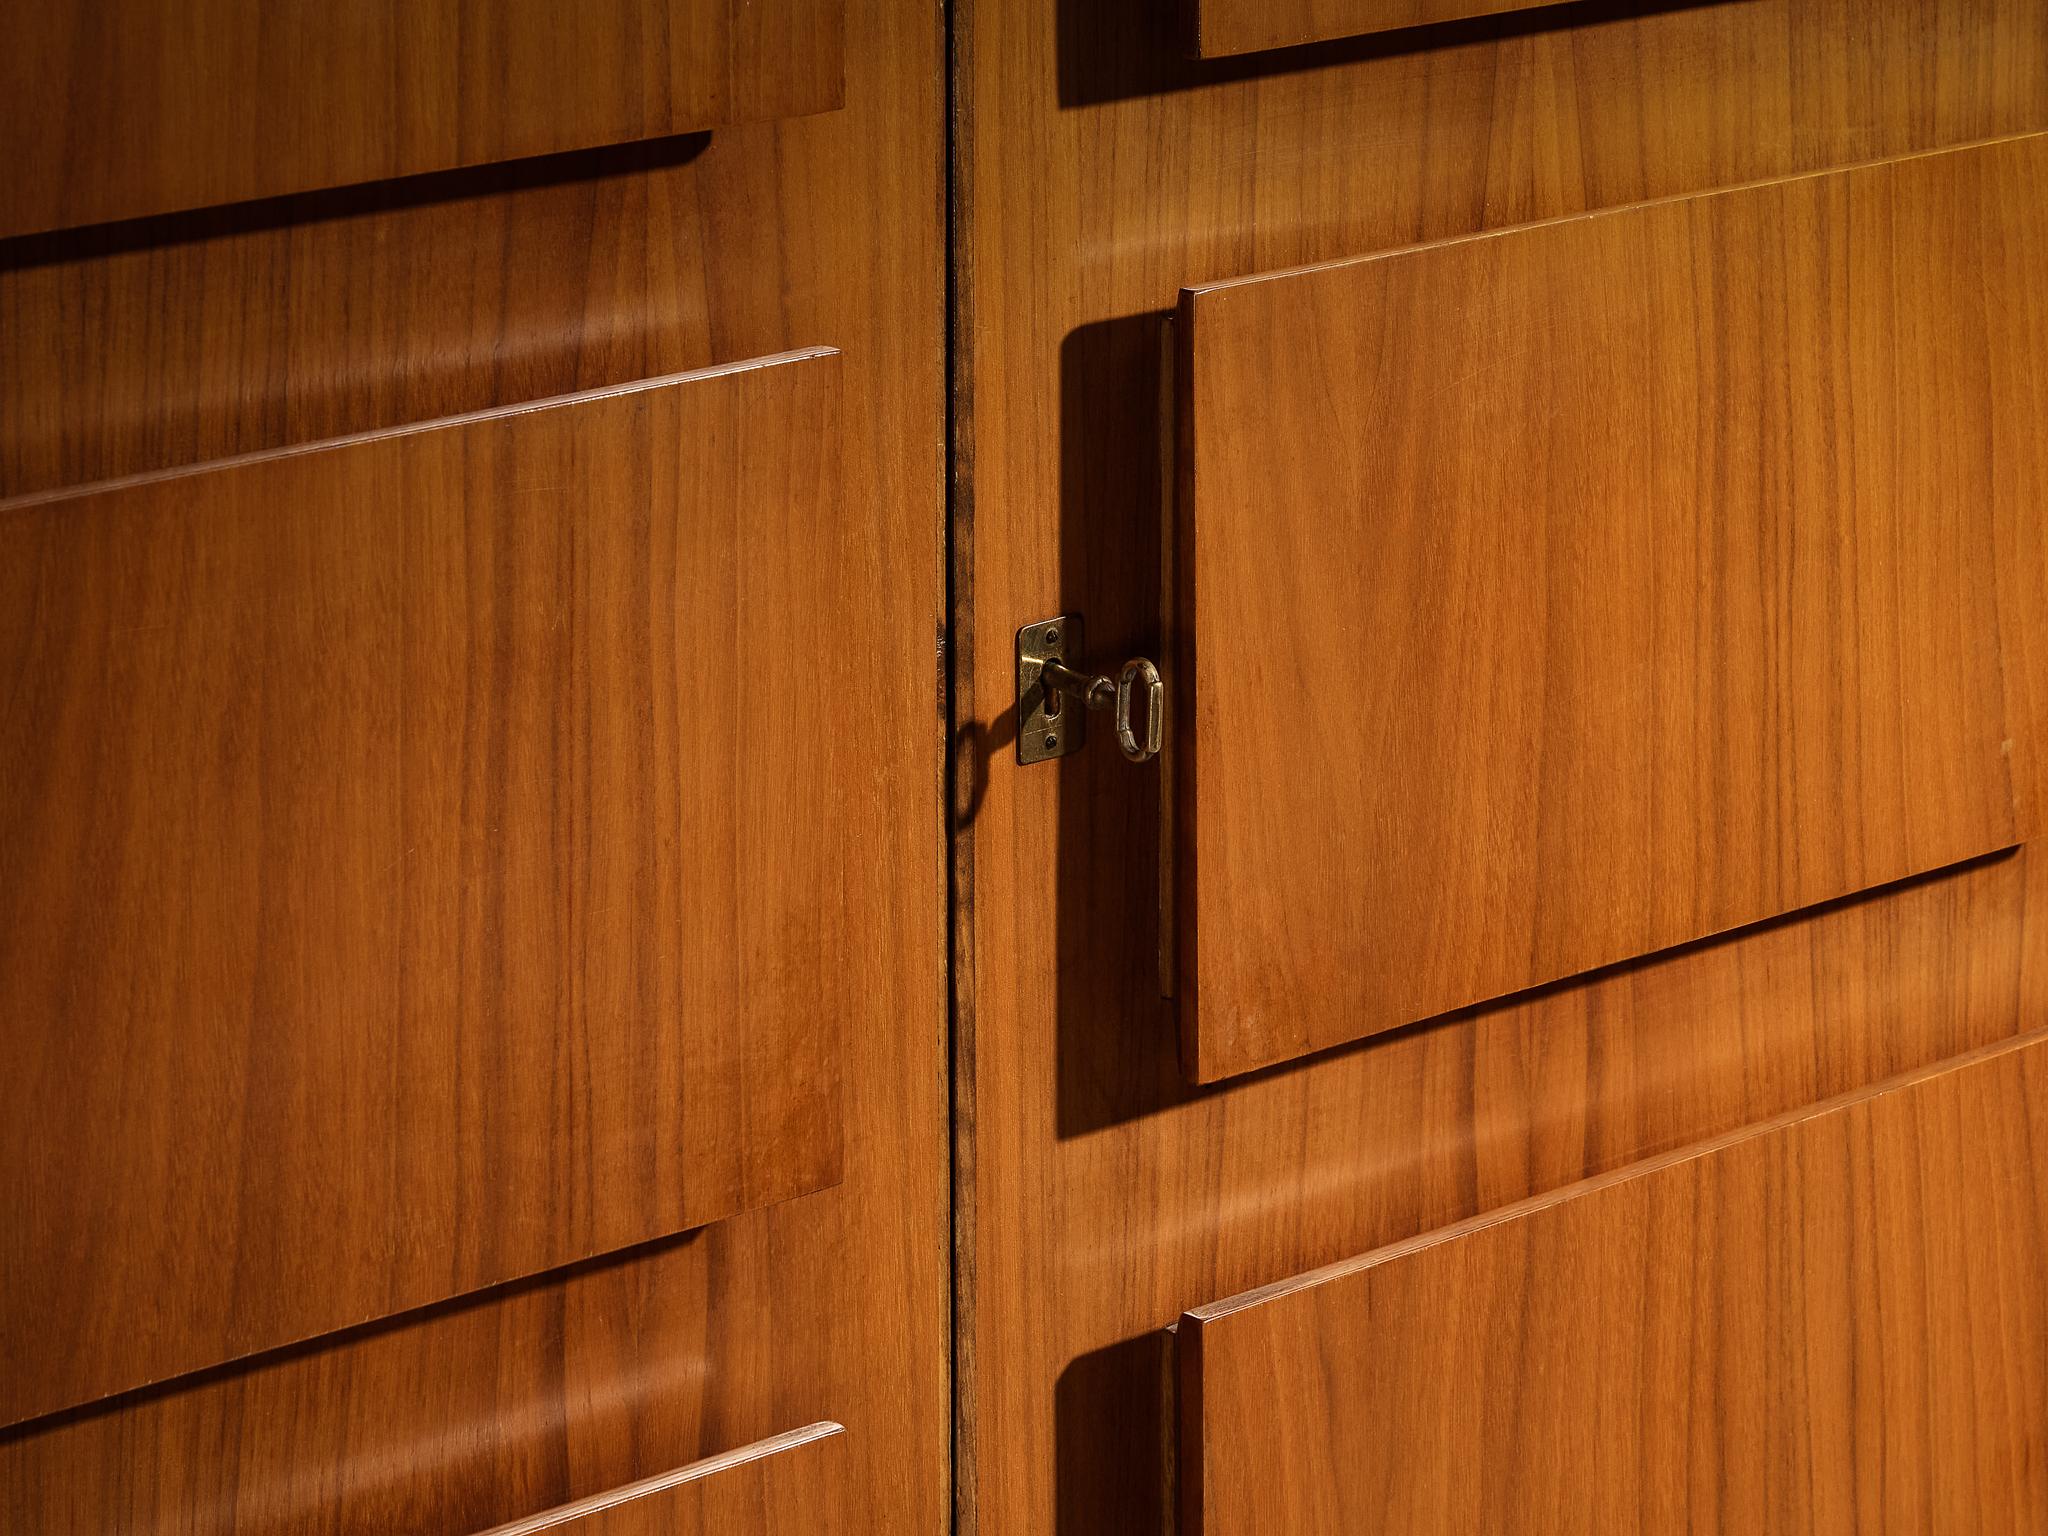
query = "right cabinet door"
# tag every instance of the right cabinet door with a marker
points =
(1830, 1323)
(1549, 598)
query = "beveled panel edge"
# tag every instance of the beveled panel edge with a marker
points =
(661, 1482)
(1904, 1082)
(1190, 292)
(410, 428)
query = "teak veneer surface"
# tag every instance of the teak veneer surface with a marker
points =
(792, 1483)
(1828, 1325)
(1099, 1196)
(117, 111)
(417, 869)
(1099, 173)
(1562, 595)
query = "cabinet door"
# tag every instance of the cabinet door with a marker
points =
(151, 106)
(1837, 1322)
(1554, 597)
(421, 866)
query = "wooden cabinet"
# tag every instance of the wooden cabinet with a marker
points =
(1556, 596)
(535, 956)
(151, 106)
(1830, 1323)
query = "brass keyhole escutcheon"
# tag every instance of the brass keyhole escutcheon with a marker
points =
(1046, 680)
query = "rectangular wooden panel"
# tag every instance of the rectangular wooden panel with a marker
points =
(1555, 597)
(1836, 1322)
(113, 112)
(420, 866)
(792, 1483)
(1221, 27)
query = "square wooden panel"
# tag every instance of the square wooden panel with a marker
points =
(421, 865)
(1555, 597)
(1830, 1324)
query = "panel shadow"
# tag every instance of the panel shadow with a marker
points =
(1117, 1045)
(351, 200)
(1114, 50)
(1114, 1440)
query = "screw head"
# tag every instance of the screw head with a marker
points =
(1052, 637)
(1051, 742)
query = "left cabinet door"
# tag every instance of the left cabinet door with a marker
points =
(420, 866)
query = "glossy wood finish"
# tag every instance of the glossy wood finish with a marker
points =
(1474, 696)
(225, 333)
(1218, 28)
(218, 333)
(1830, 1324)
(793, 1482)
(1100, 1196)
(485, 1410)
(168, 104)
(505, 932)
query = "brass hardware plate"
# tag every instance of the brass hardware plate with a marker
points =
(1049, 724)
(1054, 697)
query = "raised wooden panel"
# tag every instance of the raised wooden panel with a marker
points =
(1220, 27)
(1560, 596)
(794, 1482)
(112, 112)
(421, 866)
(1837, 1322)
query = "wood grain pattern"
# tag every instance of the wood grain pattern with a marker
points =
(1475, 696)
(1099, 1195)
(1219, 28)
(228, 334)
(133, 349)
(793, 1482)
(1830, 1324)
(158, 106)
(518, 1399)
(420, 867)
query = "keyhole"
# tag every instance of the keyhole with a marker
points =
(1054, 699)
